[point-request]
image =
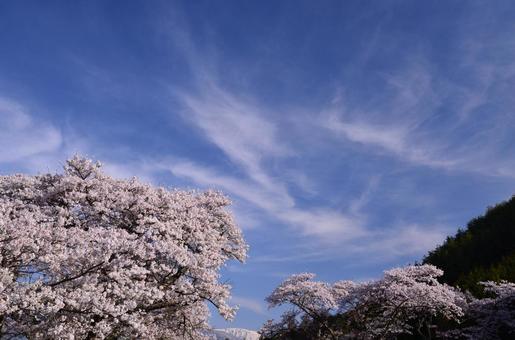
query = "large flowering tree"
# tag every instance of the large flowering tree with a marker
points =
(86, 256)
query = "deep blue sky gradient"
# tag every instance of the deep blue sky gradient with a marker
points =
(352, 136)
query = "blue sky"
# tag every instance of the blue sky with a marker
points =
(352, 136)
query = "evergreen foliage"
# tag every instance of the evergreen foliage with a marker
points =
(484, 251)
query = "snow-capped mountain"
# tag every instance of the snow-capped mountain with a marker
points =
(235, 334)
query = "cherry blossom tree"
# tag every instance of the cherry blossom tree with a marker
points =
(404, 301)
(87, 256)
(312, 302)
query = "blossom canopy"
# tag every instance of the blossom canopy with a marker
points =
(85, 255)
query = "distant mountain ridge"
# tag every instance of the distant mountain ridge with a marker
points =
(235, 334)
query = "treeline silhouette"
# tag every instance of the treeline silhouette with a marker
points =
(484, 251)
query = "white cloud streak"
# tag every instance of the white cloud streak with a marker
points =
(21, 136)
(253, 305)
(394, 140)
(236, 127)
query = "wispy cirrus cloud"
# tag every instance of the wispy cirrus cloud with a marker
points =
(391, 139)
(245, 131)
(22, 135)
(237, 127)
(427, 119)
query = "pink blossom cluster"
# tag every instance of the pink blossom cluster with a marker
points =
(87, 256)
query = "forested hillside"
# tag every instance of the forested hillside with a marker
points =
(485, 250)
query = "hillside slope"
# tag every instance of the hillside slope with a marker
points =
(485, 250)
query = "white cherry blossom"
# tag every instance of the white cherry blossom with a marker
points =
(87, 256)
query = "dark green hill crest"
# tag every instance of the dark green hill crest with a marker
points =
(485, 250)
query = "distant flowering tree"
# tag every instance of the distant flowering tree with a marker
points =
(86, 256)
(312, 302)
(404, 301)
